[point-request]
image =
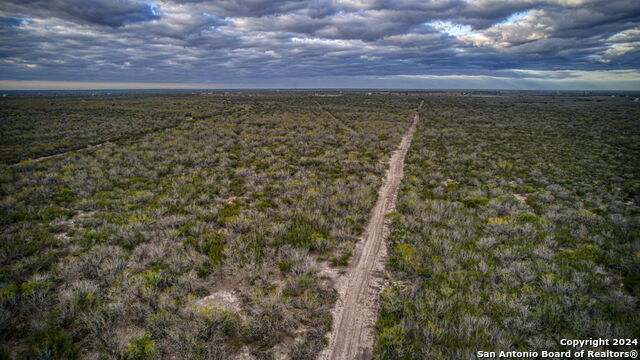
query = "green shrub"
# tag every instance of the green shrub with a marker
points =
(600, 212)
(528, 218)
(342, 260)
(299, 284)
(229, 210)
(55, 212)
(214, 247)
(391, 344)
(284, 265)
(53, 343)
(203, 270)
(141, 348)
(404, 257)
(209, 243)
(475, 202)
(64, 196)
(263, 205)
(301, 232)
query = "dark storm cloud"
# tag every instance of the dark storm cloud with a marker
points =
(112, 13)
(255, 8)
(233, 41)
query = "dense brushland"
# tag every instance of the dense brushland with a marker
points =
(32, 127)
(198, 229)
(195, 234)
(517, 226)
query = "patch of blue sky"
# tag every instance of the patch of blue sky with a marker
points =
(217, 18)
(216, 21)
(451, 28)
(514, 18)
(155, 8)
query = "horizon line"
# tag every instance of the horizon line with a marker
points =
(553, 85)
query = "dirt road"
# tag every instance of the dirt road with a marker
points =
(357, 309)
(340, 122)
(53, 156)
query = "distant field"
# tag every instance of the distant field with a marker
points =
(35, 127)
(518, 225)
(191, 237)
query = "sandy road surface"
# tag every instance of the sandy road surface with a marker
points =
(357, 309)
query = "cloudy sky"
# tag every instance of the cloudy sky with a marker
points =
(508, 44)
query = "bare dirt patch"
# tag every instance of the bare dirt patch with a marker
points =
(221, 300)
(521, 198)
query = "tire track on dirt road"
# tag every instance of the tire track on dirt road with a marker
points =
(357, 309)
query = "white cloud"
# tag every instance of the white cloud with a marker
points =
(461, 32)
(520, 27)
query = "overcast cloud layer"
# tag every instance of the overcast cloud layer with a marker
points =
(528, 44)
